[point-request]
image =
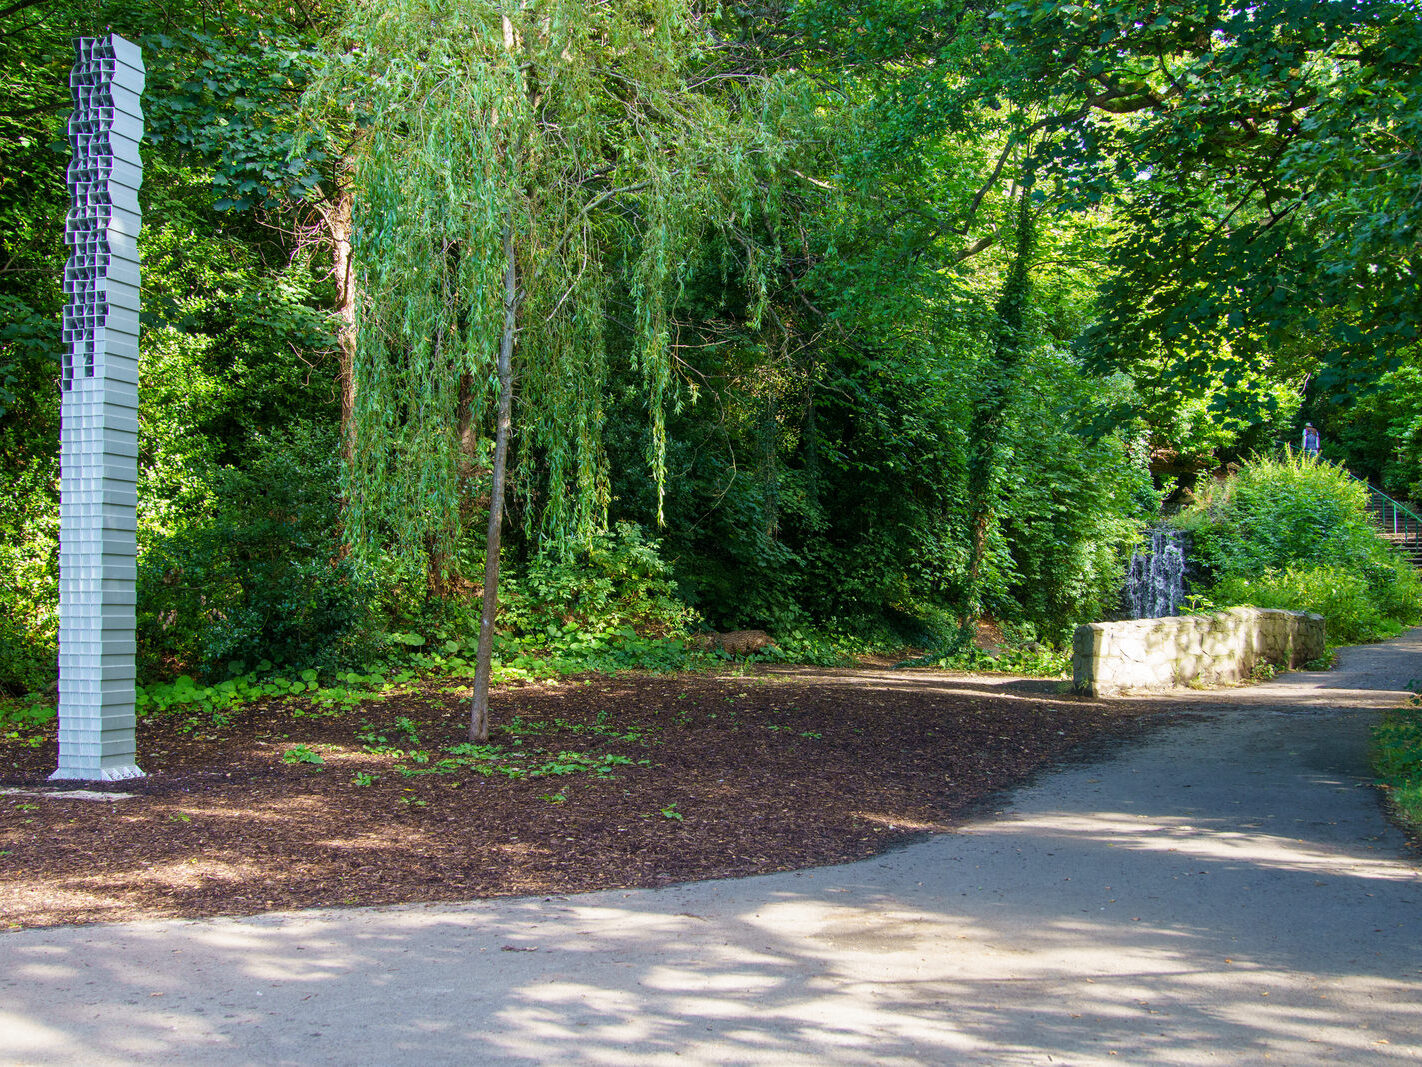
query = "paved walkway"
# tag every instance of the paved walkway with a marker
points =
(1223, 892)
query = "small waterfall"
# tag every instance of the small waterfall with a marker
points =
(1155, 579)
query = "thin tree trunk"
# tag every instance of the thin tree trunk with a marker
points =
(479, 712)
(484, 656)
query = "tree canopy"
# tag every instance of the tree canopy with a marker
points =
(1262, 163)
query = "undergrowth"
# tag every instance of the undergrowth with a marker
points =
(410, 659)
(1019, 653)
(613, 608)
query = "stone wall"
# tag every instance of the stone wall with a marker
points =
(1116, 657)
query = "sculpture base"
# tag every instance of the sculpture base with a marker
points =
(96, 774)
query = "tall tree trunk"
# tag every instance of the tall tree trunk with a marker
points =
(339, 223)
(483, 663)
(990, 412)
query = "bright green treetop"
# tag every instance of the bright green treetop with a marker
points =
(596, 139)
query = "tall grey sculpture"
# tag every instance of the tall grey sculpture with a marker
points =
(99, 416)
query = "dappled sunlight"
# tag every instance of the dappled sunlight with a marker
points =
(137, 885)
(564, 1014)
(24, 901)
(931, 680)
(1205, 839)
(776, 970)
(188, 873)
(25, 1036)
(704, 988)
(1320, 695)
(270, 811)
(366, 842)
(616, 923)
(1177, 902)
(899, 822)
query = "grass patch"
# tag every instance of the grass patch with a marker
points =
(1397, 760)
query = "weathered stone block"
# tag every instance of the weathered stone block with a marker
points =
(1144, 654)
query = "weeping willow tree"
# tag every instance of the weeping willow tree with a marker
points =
(521, 167)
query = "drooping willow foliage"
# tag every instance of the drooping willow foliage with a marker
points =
(603, 138)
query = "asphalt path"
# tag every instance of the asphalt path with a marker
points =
(1224, 890)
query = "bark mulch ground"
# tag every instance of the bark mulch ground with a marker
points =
(590, 783)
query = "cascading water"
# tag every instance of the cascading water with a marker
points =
(1155, 579)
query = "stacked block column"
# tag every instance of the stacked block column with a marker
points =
(99, 416)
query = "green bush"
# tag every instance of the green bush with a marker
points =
(27, 660)
(1290, 511)
(617, 580)
(258, 574)
(1295, 533)
(29, 574)
(609, 606)
(1340, 597)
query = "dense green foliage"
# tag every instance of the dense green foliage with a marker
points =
(847, 319)
(1305, 115)
(1295, 533)
(1379, 433)
(258, 573)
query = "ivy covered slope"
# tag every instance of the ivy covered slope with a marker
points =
(851, 320)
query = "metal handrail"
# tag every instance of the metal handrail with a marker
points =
(1389, 502)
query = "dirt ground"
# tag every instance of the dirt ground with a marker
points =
(589, 783)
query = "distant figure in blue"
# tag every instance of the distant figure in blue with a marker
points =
(1310, 439)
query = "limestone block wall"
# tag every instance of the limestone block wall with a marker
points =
(1116, 657)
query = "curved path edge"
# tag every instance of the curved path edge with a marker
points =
(1225, 890)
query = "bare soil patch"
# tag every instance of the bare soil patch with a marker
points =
(694, 776)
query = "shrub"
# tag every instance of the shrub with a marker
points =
(29, 576)
(27, 660)
(608, 606)
(617, 580)
(1294, 533)
(258, 575)
(1290, 511)
(1341, 598)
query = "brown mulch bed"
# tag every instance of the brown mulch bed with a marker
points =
(730, 774)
